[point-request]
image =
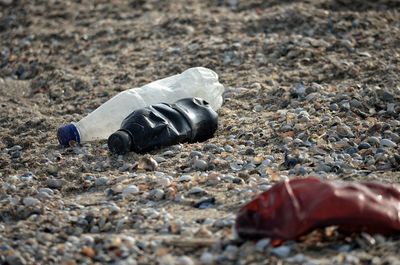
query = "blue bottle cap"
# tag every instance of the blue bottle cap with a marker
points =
(67, 133)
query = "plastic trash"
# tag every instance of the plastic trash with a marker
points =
(295, 207)
(106, 119)
(188, 120)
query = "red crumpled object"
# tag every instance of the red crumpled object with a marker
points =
(295, 207)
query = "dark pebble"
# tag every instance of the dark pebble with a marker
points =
(54, 183)
(238, 181)
(350, 150)
(205, 203)
(364, 145)
(249, 151)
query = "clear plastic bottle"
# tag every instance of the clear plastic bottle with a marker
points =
(106, 119)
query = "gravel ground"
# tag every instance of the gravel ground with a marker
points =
(312, 89)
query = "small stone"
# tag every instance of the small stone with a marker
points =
(258, 108)
(352, 259)
(219, 150)
(344, 248)
(164, 181)
(157, 194)
(298, 90)
(282, 251)
(209, 147)
(125, 167)
(43, 196)
(334, 107)
(373, 140)
(200, 164)
(195, 154)
(46, 190)
(297, 259)
(130, 190)
(184, 260)
(197, 191)
(238, 181)
(350, 150)
(354, 103)
(286, 128)
(170, 193)
(101, 181)
(203, 232)
(249, 151)
(262, 244)
(390, 107)
(364, 145)
(88, 252)
(394, 137)
(231, 252)
(213, 178)
(54, 183)
(380, 239)
(185, 178)
(258, 160)
(233, 5)
(227, 178)
(147, 163)
(344, 131)
(386, 96)
(89, 178)
(15, 154)
(30, 201)
(159, 159)
(304, 119)
(15, 148)
(345, 105)
(229, 148)
(387, 143)
(28, 176)
(207, 258)
(236, 166)
(264, 187)
(205, 203)
(168, 153)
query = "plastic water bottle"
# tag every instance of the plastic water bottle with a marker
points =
(187, 120)
(106, 119)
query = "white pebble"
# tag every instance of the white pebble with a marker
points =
(282, 251)
(196, 190)
(30, 201)
(131, 189)
(185, 178)
(298, 259)
(184, 260)
(387, 143)
(200, 165)
(207, 258)
(43, 195)
(164, 181)
(46, 190)
(264, 187)
(262, 244)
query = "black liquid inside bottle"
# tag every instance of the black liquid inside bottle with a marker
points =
(187, 120)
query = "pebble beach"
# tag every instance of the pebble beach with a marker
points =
(312, 88)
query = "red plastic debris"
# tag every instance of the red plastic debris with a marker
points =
(295, 207)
